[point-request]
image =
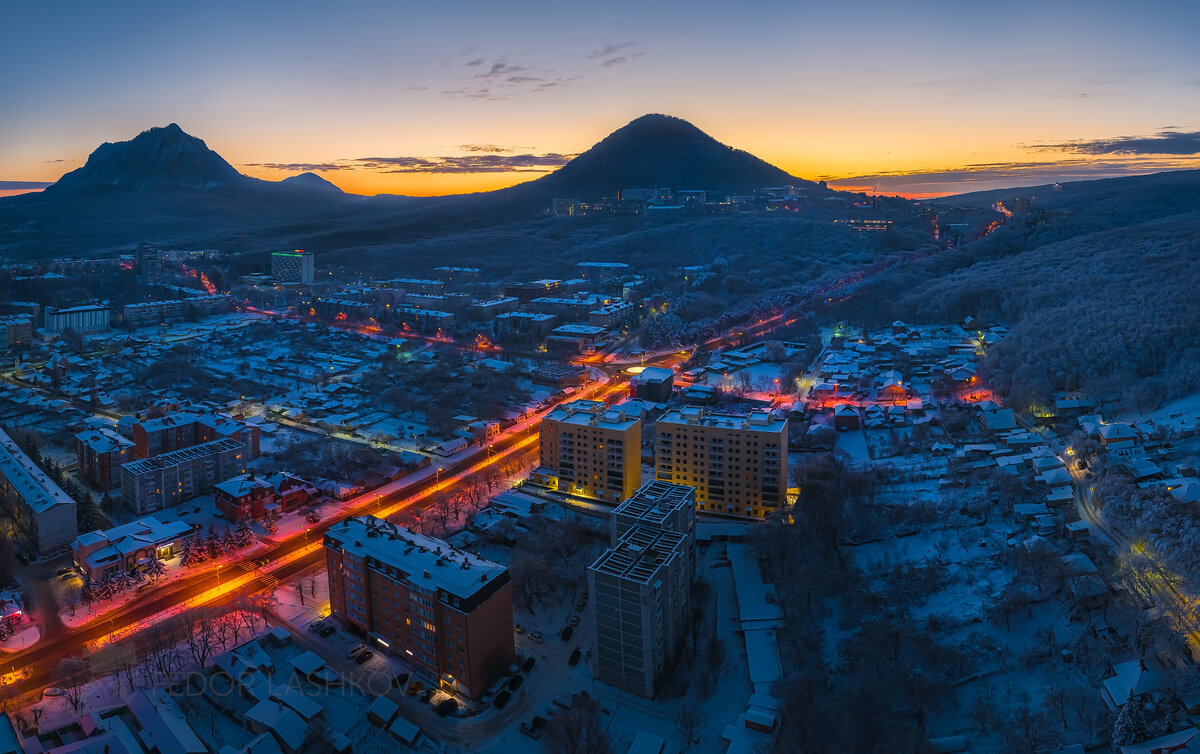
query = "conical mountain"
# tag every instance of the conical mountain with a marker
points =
(662, 151)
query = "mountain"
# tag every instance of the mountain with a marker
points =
(169, 188)
(310, 181)
(660, 150)
(161, 158)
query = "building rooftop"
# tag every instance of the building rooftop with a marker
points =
(424, 561)
(655, 501)
(27, 478)
(180, 456)
(640, 554)
(578, 330)
(103, 440)
(755, 421)
(243, 485)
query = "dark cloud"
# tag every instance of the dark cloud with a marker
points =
(1167, 142)
(495, 148)
(301, 167)
(500, 68)
(18, 185)
(475, 62)
(1000, 174)
(56, 160)
(523, 79)
(608, 49)
(472, 163)
(614, 61)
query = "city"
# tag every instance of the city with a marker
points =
(807, 438)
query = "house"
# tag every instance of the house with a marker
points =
(892, 389)
(846, 418)
(1128, 677)
(1177, 741)
(1117, 435)
(244, 497)
(998, 420)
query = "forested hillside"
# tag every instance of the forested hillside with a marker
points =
(1113, 313)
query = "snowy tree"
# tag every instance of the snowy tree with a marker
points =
(122, 581)
(216, 547)
(87, 594)
(271, 526)
(1130, 726)
(228, 540)
(243, 534)
(192, 553)
(103, 587)
(6, 631)
(155, 569)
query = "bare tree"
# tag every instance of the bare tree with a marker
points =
(689, 721)
(72, 672)
(578, 730)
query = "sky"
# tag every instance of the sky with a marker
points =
(917, 98)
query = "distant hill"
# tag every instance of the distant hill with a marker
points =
(310, 181)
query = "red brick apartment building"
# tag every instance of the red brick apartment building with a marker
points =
(176, 431)
(448, 611)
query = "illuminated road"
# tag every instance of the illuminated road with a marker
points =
(1149, 577)
(287, 560)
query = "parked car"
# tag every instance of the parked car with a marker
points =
(501, 699)
(326, 632)
(574, 621)
(518, 628)
(515, 682)
(22, 559)
(362, 657)
(529, 663)
(400, 680)
(579, 606)
(63, 571)
(427, 695)
(354, 652)
(67, 576)
(315, 626)
(414, 688)
(537, 636)
(573, 660)
(53, 692)
(446, 707)
(567, 633)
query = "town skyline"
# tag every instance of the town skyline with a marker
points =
(376, 104)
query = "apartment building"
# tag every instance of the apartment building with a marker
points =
(162, 481)
(641, 588)
(84, 319)
(449, 613)
(297, 266)
(42, 510)
(183, 430)
(592, 450)
(736, 462)
(99, 454)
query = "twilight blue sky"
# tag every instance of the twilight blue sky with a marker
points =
(426, 98)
